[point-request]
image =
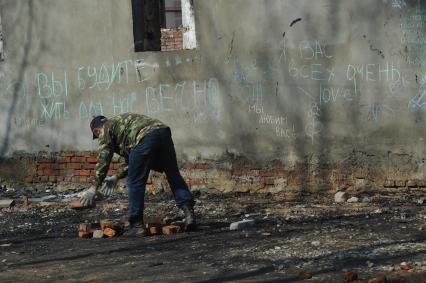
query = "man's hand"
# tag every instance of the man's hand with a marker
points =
(88, 196)
(109, 186)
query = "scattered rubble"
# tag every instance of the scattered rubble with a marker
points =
(340, 197)
(241, 224)
(7, 203)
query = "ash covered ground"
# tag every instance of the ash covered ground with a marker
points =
(306, 240)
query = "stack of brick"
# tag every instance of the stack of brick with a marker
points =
(171, 39)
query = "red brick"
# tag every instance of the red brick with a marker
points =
(421, 183)
(111, 172)
(269, 181)
(43, 179)
(52, 179)
(295, 181)
(50, 172)
(108, 232)
(44, 166)
(45, 160)
(60, 178)
(267, 173)
(78, 159)
(107, 223)
(40, 172)
(89, 166)
(83, 172)
(84, 227)
(65, 160)
(154, 230)
(202, 166)
(54, 166)
(85, 235)
(350, 276)
(74, 165)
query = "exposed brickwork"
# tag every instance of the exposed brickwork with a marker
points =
(69, 167)
(232, 175)
(171, 39)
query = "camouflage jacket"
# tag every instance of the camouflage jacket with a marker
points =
(119, 135)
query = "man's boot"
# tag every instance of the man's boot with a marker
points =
(136, 229)
(188, 210)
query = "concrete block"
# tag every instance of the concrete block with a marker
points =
(353, 199)
(7, 203)
(241, 224)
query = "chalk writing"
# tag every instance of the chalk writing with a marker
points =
(124, 104)
(54, 110)
(88, 109)
(183, 96)
(419, 100)
(314, 126)
(49, 86)
(28, 123)
(376, 111)
(399, 4)
(332, 94)
(315, 72)
(373, 72)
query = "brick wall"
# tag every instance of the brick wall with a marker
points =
(358, 173)
(75, 167)
(171, 39)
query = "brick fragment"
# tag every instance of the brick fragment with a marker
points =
(381, 278)
(405, 266)
(85, 234)
(84, 227)
(76, 204)
(107, 223)
(350, 276)
(153, 230)
(170, 229)
(108, 232)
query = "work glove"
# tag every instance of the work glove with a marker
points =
(109, 186)
(88, 196)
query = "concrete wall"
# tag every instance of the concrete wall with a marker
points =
(315, 82)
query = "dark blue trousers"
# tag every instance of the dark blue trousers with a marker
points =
(155, 151)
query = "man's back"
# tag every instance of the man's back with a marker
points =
(124, 131)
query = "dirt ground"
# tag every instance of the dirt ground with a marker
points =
(299, 241)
